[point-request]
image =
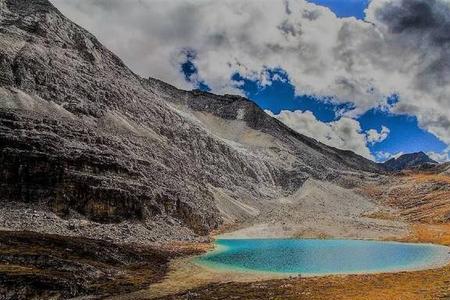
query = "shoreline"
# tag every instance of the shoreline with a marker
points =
(436, 263)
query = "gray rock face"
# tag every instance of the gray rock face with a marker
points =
(80, 133)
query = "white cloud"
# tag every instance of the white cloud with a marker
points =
(402, 47)
(439, 157)
(373, 136)
(383, 156)
(344, 133)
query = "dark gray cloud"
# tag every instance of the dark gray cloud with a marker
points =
(416, 38)
(410, 15)
(287, 8)
(425, 24)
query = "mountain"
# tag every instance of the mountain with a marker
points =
(443, 168)
(408, 161)
(437, 168)
(90, 148)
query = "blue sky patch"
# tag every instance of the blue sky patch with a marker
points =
(190, 71)
(280, 95)
(405, 136)
(345, 8)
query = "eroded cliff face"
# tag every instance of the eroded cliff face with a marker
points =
(80, 134)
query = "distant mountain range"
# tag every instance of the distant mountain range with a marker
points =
(409, 161)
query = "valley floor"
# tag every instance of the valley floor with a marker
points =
(40, 265)
(37, 266)
(421, 201)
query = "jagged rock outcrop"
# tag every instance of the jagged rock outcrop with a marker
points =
(80, 134)
(409, 161)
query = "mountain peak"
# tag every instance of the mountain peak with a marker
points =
(27, 4)
(408, 161)
(22, 8)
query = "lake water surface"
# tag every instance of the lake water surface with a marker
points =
(322, 257)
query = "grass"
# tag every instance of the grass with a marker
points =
(419, 197)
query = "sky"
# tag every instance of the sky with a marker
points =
(345, 8)
(367, 76)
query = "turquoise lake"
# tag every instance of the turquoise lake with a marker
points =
(322, 257)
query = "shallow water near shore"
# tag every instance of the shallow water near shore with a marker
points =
(322, 257)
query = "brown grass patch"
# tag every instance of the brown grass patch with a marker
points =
(427, 233)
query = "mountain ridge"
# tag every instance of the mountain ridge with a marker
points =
(409, 161)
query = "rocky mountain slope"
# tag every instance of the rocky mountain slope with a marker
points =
(409, 161)
(83, 138)
(443, 169)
